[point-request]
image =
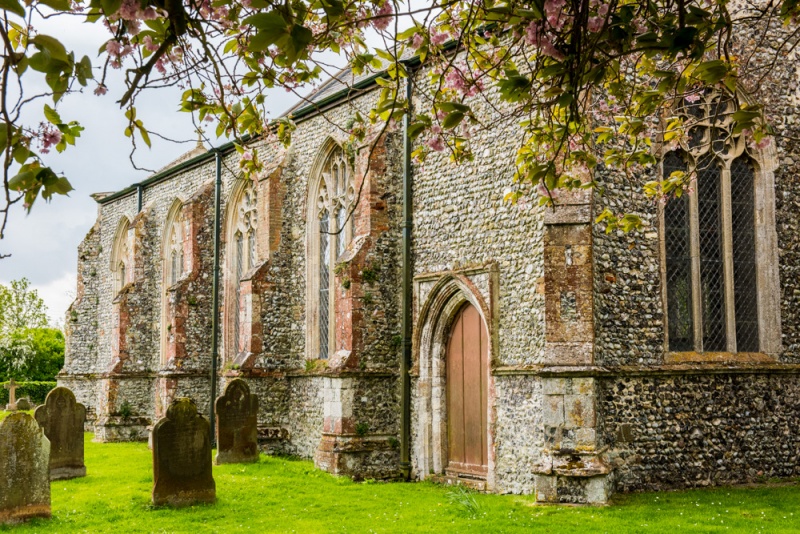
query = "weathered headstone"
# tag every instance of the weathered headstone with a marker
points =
(11, 386)
(62, 418)
(24, 404)
(24, 470)
(237, 424)
(182, 457)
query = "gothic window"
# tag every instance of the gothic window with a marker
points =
(173, 269)
(174, 251)
(242, 257)
(710, 237)
(120, 257)
(331, 228)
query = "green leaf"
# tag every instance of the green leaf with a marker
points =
(301, 37)
(452, 120)
(83, 70)
(52, 45)
(110, 6)
(58, 5)
(13, 6)
(22, 181)
(267, 22)
(51, 115)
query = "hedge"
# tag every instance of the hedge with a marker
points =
(37, 391)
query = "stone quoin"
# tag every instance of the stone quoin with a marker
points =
(610, 361)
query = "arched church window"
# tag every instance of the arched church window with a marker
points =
(709, 236)
(331, 228)
(242, 256)
(175, 250)
(120, 257)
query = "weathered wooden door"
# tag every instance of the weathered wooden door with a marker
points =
(467, 391)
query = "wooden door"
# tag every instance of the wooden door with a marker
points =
(467, 391)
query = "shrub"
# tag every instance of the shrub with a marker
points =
(37, 391)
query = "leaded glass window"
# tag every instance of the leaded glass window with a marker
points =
(710, 236)
(243, 257)
(324, 282)
(175, 250)
(331, 233)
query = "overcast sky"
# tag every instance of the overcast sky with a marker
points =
(44, 243)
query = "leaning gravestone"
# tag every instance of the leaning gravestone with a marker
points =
(237, 424)
(24, 404)
(62, 418)
(24, 470)
(182, 457)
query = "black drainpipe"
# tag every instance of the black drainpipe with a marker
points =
(215, 294)
(405, 362)
(139, 192)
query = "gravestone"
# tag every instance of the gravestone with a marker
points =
(11, 386)
(237, 424)
(24, 404)
(62, 418)
(24, 470)
(182, 457)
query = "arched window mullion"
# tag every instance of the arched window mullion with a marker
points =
(744, 268)
(324, 283)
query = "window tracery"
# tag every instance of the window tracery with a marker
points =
(710, 236)
(243, 256)
(331, 231)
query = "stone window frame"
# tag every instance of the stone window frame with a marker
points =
(334, 193)
(120, 259)
(764, 163)
(244, 221)
(170, 246)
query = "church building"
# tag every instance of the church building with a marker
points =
(402, 319)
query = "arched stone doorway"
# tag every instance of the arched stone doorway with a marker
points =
(467, 379)
(454, 333)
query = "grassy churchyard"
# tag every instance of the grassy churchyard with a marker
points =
(289, 495)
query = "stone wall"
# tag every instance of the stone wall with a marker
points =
(690, 430)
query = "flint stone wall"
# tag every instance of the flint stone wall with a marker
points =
(700, 430)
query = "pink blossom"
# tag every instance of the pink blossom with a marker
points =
(129, 10)
(100, 90)
(114, 48)
(438, 37)
(417, 41)
(149, 13)
(595, 24)
(48, 136)
(160, 66)
(133, 26)
(148, 43)
(383, 16)
(247, 155)
(436, 143)
(694, 97)
(542, 191)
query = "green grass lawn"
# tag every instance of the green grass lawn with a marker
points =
(287, 495)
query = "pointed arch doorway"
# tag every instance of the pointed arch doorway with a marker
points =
(467, 385)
